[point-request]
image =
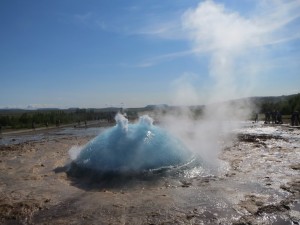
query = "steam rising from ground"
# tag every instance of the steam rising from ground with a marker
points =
(236, 49)
(231, 43)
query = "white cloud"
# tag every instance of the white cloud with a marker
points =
(229, 38)
(84, 18)
(89, 19)
(213, 27)
(162, 58)
(162, 29)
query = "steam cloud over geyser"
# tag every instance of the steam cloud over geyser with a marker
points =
(127, 148)
(236, 48)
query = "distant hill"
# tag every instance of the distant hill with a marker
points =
(285, 103)
(33, 118)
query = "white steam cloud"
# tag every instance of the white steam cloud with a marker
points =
(233, 42)
(235, 46)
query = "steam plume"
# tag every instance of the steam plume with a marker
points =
(232, 43)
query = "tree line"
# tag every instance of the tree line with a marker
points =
(41, 118)
(286, 105)
(16, 119)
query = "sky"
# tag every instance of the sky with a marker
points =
(116, 53)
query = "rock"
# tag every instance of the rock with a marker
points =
(295, 166)
(292, 187)
(190, 216)
(270, 209)
(185, 183)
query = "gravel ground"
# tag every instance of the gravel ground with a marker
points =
(257, 182)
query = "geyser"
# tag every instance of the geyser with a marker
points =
(130, 148)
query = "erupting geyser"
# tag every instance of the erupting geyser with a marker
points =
(130, 148)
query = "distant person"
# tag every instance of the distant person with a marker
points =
(33, 125)
(267, 117)
(296, 118)
(293, 119)
(256, 118)
(47, 124)
(273, 116)
(279, 118)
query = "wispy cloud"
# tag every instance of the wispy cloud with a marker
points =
(133, 8)
(162, 29)
(87, 19)
(227, 37)
(84, 18)
(210, 26)
(213, 27)
(269, 16)
(161, 58)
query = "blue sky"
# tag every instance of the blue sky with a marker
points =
(71, 53)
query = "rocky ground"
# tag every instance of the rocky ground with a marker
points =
(257, 183)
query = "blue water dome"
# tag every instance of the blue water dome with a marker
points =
(132, 148)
